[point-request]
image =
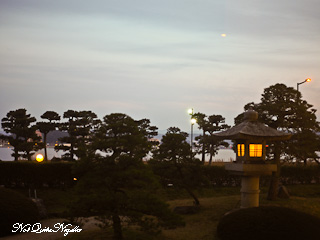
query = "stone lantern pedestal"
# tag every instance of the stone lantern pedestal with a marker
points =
(250, 178)
(251, 138)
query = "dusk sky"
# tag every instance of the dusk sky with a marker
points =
(155, 59)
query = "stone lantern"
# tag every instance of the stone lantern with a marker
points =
(250, 138)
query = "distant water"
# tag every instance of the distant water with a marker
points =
(224, 155)
(5, 153)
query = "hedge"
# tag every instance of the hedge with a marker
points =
(59, 174)
(218, 176)
(289, 175)
(34, 174)
(300, 174)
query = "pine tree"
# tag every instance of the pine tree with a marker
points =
(23, 136)
(174, 161)
(116, 185)
(209, 125)
(80, 127)
(46, 127)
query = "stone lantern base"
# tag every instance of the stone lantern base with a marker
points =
(249, 191)
(250, 173)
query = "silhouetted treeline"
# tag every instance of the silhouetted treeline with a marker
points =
(25, 174)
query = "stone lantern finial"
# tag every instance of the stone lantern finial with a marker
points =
(250, 115)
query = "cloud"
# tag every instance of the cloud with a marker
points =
(154, 58)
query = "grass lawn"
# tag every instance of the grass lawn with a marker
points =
(203, 224)
(214, 205)
(198, 226)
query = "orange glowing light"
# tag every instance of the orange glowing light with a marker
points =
(255, 150)
(308, 80)
(240, 150)
(39, 157)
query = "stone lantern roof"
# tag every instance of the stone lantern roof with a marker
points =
(250, 128)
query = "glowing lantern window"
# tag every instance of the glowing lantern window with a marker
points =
(255, 150)
(240, 150)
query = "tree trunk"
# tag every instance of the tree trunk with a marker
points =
(203, 149)
(117, 229)
(211, 156)
(45, 147)
(28, 156)
(196, 200)
(274, 184)
(185, 186)
(71, 151)
(16, 154)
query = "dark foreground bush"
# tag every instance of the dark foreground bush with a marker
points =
(15, 208)
(272, 223)
(25, 174)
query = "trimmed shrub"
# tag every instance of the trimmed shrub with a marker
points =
(300, 174)
(34, 174)
(268, 223)
(15, 208)
(218, 176)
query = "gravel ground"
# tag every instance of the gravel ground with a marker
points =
(89, 223)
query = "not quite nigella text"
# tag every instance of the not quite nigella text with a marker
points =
(37, 228)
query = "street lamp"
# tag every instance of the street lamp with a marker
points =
(193, 121)
(307, 80)
(39, 157)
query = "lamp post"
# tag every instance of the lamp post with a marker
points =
(307, 80)
(193, 121)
